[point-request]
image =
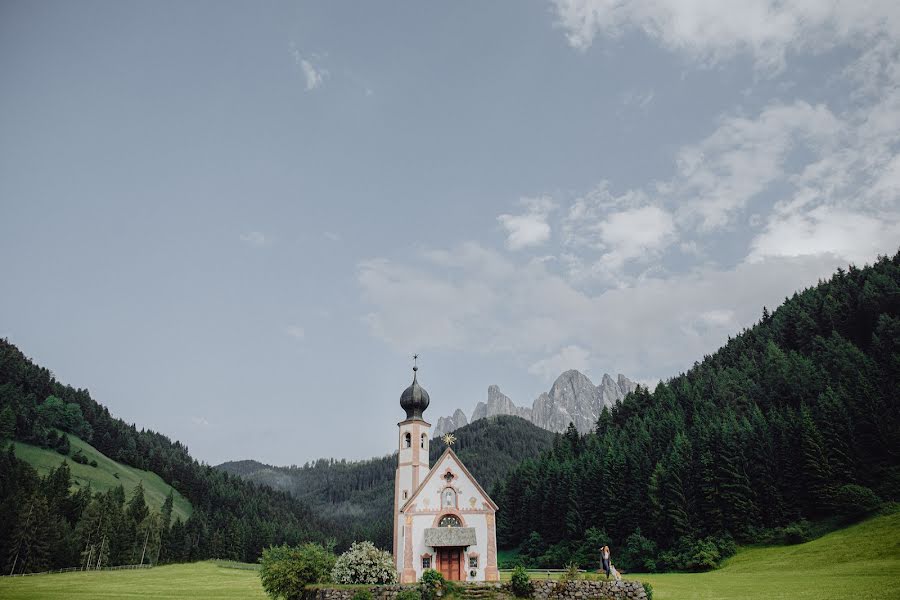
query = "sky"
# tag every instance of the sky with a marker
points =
(234, 222)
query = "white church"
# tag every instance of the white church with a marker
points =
(443, 519)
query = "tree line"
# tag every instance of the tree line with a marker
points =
(794, 421)
(231, 518)
(357, 496)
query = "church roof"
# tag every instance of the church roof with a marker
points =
(414, 399)
(450, 536)
(434, 469)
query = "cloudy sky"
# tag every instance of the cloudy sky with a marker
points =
(235, 222)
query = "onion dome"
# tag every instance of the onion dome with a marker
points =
(414, 399)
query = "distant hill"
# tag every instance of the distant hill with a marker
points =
(106, 475)
(357, 495)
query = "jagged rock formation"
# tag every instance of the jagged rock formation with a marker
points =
(448, 424)
(573, 398)
(499, 403)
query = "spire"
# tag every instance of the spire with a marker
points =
(414, 399)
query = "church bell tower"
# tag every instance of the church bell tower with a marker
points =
(412, 463)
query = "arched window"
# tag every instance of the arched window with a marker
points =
(448, 498)
(424, 440)
(449, 521)
(407, 440)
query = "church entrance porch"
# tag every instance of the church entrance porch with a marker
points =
(450, 562)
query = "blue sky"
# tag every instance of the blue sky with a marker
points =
(234, 223)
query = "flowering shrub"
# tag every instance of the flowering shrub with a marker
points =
(364, 563)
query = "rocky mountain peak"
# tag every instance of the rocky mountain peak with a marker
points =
(573, 398)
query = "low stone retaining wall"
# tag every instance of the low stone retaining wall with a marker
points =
(543, 590)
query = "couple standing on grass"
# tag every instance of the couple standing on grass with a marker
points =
(608, 567)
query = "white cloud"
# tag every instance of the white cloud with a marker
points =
(713, 30)
(569, 357)
(654, 328)
(530, 228)
(295, 331)
(638, 99)
(254, 238)
(200, 422)
(330, 235)
(720, 175)
(314, 76)
(827, 230)
(624, 229)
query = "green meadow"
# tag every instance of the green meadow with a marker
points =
(107, 474)
(861, 562)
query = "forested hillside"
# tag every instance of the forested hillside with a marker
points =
(357, 495)
(795, 420)
(45, 517)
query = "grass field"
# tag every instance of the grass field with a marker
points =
(107, 474)
(203, 581)
(861, 562)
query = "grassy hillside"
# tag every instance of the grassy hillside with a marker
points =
(107, 474)
(861, 562)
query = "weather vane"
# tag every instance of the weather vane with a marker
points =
(449, 438)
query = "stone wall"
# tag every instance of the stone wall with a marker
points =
(543, 590)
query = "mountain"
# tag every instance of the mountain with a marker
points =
(792, 425)
(357, 495)
(573, 398)
(49, 515)
(448, 424)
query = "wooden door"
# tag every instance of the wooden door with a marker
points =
(449, 562)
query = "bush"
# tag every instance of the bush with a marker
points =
(80, 458)
(648, 589)
(854, 501)
(432, 582)
(699, 555)
(363, 595)
(638, 554)
(409, 594)
(286, 570)
(572, 573)
(93, 463)
(795, 533)
(520, 583)
(364, 563)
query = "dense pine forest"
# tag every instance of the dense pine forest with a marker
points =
(794, 422)
(358, 495)
(44, 524)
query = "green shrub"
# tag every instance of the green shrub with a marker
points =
(795, 533)
(432, 583)
(691, 554)
(854, 501)
(638, 554)
(286, 570)
(409, 594)
(364, 563)
(520, 583)
(648, 589)
(572, 573)
(80, 458)
(363, 595)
